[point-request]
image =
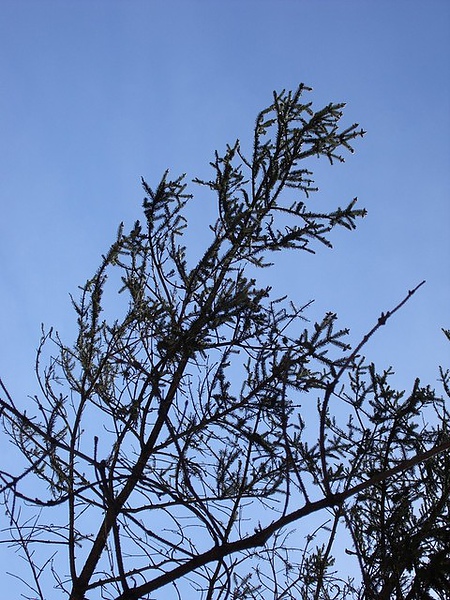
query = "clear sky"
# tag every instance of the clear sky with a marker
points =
(95, 94)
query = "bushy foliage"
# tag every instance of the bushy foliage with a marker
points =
(210, 442)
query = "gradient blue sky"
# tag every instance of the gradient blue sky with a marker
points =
(95, 94)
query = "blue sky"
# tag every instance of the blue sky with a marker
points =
(95, 94)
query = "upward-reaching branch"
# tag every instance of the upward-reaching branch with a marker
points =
(176, 440)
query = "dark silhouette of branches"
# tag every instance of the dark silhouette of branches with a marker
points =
(205, 437)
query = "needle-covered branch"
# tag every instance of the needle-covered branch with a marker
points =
(198, 421)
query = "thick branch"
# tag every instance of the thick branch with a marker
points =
(261, 536)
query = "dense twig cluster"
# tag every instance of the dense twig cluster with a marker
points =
(176, 445)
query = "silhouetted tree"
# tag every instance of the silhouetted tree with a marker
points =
(201, 439)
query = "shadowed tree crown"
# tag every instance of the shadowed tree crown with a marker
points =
(201, 438)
